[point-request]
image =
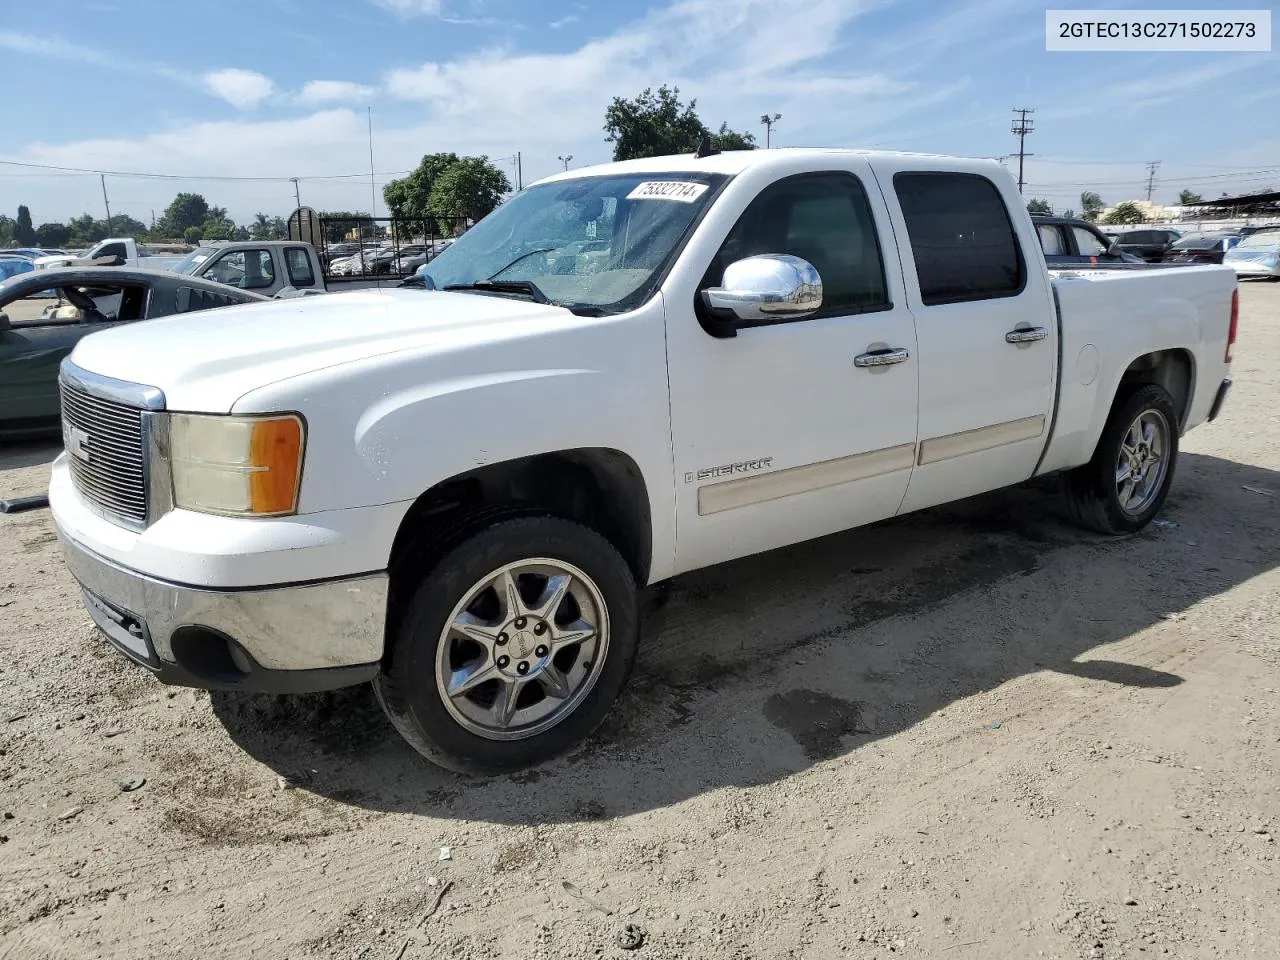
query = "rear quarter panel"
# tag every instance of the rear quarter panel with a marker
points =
(1111, 318)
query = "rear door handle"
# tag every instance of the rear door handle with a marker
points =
(1026, 335)
(881, 358)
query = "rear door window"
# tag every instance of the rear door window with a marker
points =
(299, 264)
(961, 237)
(1051, 240)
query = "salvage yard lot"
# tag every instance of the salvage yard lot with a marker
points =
(971, 732)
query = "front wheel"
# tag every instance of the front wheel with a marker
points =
(1125, 484)
(514, 646)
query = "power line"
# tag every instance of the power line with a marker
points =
(1021, 127)
(86, 171)
(1152, 167)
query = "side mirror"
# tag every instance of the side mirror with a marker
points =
(4, 322)
(1114, 249)
(771, 286)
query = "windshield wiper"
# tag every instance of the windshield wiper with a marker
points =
(527, 287)
(520, 259)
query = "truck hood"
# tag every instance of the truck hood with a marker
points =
(206, 361)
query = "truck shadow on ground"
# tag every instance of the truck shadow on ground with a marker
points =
(757, 669)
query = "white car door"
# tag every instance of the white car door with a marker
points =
(985, 324)
(780, 433)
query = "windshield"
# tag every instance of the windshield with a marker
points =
(596, 243)
(1268, 240)
(1198, 243)
(191, 262)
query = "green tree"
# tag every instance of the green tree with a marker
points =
(86, 231)
(267, 228)
(192, 235)
(6, 231)
(53, 235)
(1036, 205)
(187, 210)
(470, 188)
(217, 225)
(410, 196)
(1091, 206)
(1187, 197)
(339, 223)
(1069, 213)
(652, 125)
(123, 225)
(23, 232)
(1125, 213)
(726, 139)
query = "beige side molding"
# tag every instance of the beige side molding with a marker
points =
(983, 438)
(745, 491)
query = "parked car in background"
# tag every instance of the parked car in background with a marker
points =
(1202, 248)
(1066, 241)
(457, 492)
(32, 253)
(38, 329)
(12, 266)
(1150, 245)
(268, 267)
(1257, 255)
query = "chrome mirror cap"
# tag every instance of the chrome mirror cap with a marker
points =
(769, 286)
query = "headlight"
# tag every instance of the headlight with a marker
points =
(236, 466)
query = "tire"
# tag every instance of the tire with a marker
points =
(465, 732)
(1093, 491)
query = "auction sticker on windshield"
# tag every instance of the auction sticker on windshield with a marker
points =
(684, 191)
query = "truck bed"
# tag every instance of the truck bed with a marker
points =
(1107, 317)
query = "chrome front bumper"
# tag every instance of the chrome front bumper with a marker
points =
(288, 638)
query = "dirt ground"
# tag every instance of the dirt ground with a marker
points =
(970, 733)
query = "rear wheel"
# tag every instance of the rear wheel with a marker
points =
(513, 648)
(1125, 484)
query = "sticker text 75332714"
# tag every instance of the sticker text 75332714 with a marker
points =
(684, 191)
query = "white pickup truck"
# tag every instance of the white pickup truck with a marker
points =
(112, 252)
(623, 373)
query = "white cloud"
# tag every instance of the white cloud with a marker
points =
(240, 88)
(411, 8)
(563, 21)
(334, 91)
(55, 48)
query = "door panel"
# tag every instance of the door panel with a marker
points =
(986, 328)
(778, 435)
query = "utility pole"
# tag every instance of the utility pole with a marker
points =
(373, 193)
(105, 202)
(1152, 167)
(1021, 127)
(297, 197)
(768, 122)
(565, 160)
(519, 172)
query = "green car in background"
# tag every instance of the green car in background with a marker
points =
(44, 313)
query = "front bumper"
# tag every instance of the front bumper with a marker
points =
(290, 638)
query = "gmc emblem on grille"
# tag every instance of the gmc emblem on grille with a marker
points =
(77, 443)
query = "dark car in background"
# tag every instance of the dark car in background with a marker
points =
(45, 313)
(1202, 248)
(1066, 240)
(1150, 245)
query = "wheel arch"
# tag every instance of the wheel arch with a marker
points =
(600, 487)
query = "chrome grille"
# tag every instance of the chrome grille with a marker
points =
(104, 444)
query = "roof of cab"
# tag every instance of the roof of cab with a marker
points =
(730, 162)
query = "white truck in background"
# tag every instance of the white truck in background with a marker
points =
(623, 373)
(112, 252)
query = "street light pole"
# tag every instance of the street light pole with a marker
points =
(565, 160)
(768, 122)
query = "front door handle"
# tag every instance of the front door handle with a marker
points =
(881, 358)
(1026, 335)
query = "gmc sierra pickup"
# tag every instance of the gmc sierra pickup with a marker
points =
(623, 373)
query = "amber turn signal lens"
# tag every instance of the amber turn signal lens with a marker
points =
(275, 454)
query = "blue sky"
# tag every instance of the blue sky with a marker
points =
(279, 88)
